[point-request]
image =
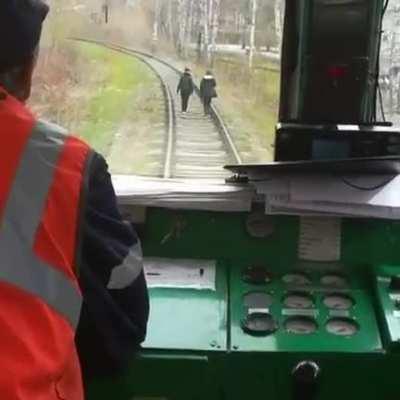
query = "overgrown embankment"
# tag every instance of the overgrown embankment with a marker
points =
(109, 99)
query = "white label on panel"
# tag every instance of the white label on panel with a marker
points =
(320, 239)
(180, 274)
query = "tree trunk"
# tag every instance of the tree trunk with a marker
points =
(392, 80)
(243, 31)
(252, 32)
(398, 94)
(199, 30)
(182, 17)
(215, 28)
(210, 13)
(278, 22)
(190, 25)
(156, 23)
(204, 12)
(169, 21)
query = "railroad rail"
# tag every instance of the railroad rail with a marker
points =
(196, 146)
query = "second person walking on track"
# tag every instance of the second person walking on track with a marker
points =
(186, 88)
(208, 91)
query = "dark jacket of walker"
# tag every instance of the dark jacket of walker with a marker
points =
(186, 85)
(208, 87)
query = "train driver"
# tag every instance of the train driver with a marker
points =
(63, 244)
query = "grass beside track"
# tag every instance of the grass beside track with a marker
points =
(122, 90)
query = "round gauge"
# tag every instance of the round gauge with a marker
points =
(333, 280)
(259, 324)
(260, 225)
(297, 279)
(338, 302)
(301, 325)
(256, 275)
(298, 300)
(342, 327)
(257, 300)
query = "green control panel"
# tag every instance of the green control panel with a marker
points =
(302, 311)
(268, 325)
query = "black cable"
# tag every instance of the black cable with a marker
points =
(366, 189)
(385, 8)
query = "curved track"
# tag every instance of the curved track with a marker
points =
(196, 146)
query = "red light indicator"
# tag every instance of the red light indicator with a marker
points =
(337, 71)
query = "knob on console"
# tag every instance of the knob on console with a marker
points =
(305, 377)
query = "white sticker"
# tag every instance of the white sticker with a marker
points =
(290, 312)
(180, 274)
(258, 311)
(320, 239)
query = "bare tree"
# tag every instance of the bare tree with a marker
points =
(182, 20)
(156, 22)
(169, 19)
(205, 29)
(190, 23)
(279, 21)
(215, 27)
(254, 4)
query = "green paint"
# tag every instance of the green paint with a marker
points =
(366, 340)
(181, 360)
(175, 307)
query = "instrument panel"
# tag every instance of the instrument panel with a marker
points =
(301, 310)
(268, 316)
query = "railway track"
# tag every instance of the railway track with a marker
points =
(196, 146)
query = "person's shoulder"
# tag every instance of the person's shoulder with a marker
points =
(98, 171)
(51, 128)
(56, 132)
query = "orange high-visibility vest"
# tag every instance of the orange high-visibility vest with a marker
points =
(41, 178)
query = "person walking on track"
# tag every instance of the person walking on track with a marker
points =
(186, 88)
(208, 91)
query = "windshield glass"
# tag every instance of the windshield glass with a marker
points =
(134, 108)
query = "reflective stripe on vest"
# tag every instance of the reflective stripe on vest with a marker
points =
(21, 267)
(125, 274)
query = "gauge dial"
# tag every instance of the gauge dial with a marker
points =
(336, 281)
(342, 327)
(257, 300)
(301, 325)
(298, 300)
(259, 324)
(256, 275)
(297, 279)
(338, 302)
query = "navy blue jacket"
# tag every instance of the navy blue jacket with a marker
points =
(113, 322)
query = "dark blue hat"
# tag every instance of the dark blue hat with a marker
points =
(20, 29)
